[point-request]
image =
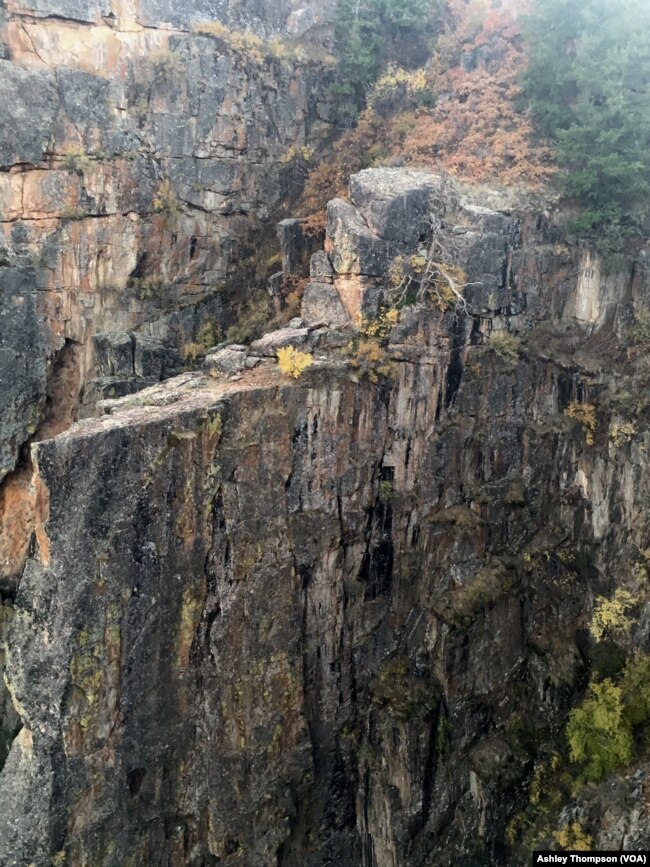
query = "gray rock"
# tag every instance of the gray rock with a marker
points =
(482, 250)
(355, 249)
(149, 357)
(89, 11)
(226, 362)
(28, 104)
(274, 340)
(297, 247)
(23, 362)
(275, 284)
(263, 17)
(109, 387)
(321, 267)
(394, 202)
(85, 104)
(321, 303)
(114, 354)
(329, 339)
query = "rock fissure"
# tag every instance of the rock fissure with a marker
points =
(256, 620)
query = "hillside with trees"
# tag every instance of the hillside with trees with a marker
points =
(551, 95)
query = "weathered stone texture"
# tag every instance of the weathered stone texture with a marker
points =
(141, 167)
(395, 203)
(322, 303)
(297, 623)
(23, 362)
(297, 247)
(28, 102)
(266, 622)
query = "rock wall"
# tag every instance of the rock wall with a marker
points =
(145, 156)
(327, 621)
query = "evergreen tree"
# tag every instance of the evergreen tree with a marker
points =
(369, 35)
(588, 83)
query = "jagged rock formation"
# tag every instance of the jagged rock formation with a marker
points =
(137, 159)
(276, 622)
(146, 149)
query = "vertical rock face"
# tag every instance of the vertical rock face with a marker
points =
(316, 622)
(146, 147)
(138, 157)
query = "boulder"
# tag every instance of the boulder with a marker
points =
(320, 267)
(352, 247)
(226, 362)
(274, 340)
(322, 303)
(395, 203)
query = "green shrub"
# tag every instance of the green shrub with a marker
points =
(504, 345)
(77, 160)
(597, 732)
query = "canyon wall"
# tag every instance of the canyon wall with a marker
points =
(146, 155)
(339, 619)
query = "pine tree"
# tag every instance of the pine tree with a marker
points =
(370, 34)
(588, 83)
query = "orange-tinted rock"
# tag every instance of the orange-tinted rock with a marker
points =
(17, 524)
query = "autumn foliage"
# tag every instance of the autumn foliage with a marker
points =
(470, 126)
(476, 129)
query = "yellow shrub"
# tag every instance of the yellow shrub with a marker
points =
(295, 152)
(396, 271)
(396, 79)
(370, 359)
(165, 201)
(585, 413)
(378, 328)
(252, 47)
(612, 615)
(293, 362)
(573, 836)
(620, 433)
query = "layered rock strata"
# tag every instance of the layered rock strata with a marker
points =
(146, 150)
(322, 621)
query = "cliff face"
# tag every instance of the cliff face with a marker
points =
(146, 150)
(326, 621)
(138, 159)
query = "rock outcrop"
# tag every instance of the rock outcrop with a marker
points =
(147, 153)
(330, 620)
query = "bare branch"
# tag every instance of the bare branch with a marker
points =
(440, 278)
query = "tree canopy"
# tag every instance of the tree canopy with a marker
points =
(588, 84)
(371, 34)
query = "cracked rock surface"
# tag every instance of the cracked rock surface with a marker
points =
(320, 621)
